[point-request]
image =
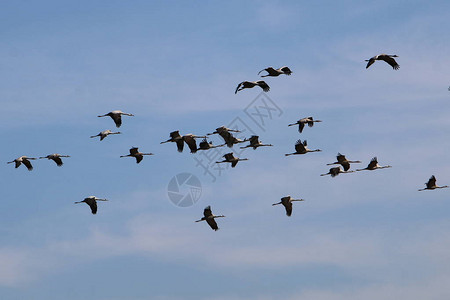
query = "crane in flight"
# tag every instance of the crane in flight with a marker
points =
(134, 152)
(251, 84)
(116, 115)
(343, 161)
(255, 143)
(431, 184)
(104, 134)
(92, 202)
(335, 172)
(23, 160)
(276, 72)
(287, 203)
(386, 57)
(301, 148)
(56, 158)
(305, 121)
(209, 218)
(373, 165)
(229, 157)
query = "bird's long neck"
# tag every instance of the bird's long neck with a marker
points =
(221, 216)
(297, 200)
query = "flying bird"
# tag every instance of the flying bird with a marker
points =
(229, 157)
(204, 145)
(335, 172)
(92, 202)
(116, 115)
(344, 162)
(276, 72)
(23, 160)
(222, 129)
(189, 139)
(56, 158)
(301, 148)
(302, 122)
(255, 143)
(177, 138)
(250, 84)
(387, 58)
(373, 165)
(431, 184)
(134, 152)
(209, 218)
(229, 139)
(104, 134)
(287, 203)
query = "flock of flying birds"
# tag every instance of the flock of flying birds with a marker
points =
(230, 141)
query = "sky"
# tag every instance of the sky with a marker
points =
(175, 66)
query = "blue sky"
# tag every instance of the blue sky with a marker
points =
(175, 65)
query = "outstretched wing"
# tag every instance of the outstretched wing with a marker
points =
(373, 163)
(93, 207)
(180, 145)
(299, 147)
(117, 119)
(340, 158)
(431, 182)
(175, 134)
(301, 125)
(253, 139)
(204, 144)
(239, 85)
(134, 150)
(212, 223)
(207, 211)
(190, 141)
(286, 70)
(139, 158)
(265, 87)
(229, 156)
(371, 61)
(58, 161)
(27, 164)
(391, 61)
(288, 206)
(334, 171)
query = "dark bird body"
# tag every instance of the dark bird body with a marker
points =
(301, 148)
(302, 122)
(250, 84)
(23, 160)
(373, 165)
(209, 218)
(287, 203)
(92, 202)
(134, 152)
(344, 162)
(116, 115)
(431, 184)
(276, 72)
(229, 157)
(56, 158)
(387, 58)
